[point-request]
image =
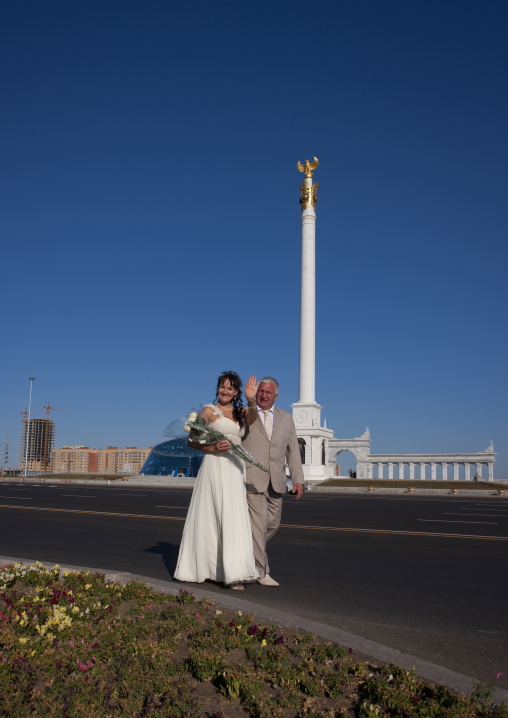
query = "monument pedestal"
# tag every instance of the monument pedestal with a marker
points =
(314, 439)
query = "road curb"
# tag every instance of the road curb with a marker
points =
(362, 646)
(417, 492)
(155, 481)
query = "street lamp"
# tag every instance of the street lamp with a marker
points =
(31, 380)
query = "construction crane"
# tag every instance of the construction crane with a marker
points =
(25, 414)
(45, 461)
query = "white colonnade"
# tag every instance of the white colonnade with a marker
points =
(410, 466)
(428, 466)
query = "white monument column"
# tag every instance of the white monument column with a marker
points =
(307, 392)
(307, 412)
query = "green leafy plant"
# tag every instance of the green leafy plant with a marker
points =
(75, 644)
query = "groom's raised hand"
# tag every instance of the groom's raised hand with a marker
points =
(251, 389)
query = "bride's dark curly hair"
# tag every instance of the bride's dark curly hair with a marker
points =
(237, 402)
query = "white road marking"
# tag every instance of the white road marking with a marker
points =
(170, 493)
(452, 513)
(489, 504)
(127, 493)
(448, 521)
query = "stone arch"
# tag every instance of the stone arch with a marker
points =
(344, 463)
(344, 445)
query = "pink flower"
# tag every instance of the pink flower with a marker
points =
(499, 675)
(84, 666)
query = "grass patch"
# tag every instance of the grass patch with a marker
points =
(415, 484)
(78, 645)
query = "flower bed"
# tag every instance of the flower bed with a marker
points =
(79, 645)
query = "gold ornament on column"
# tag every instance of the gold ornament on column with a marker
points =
(308, 191)
(307, 167)
(314, 194)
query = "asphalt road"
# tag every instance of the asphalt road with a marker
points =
(424, 575)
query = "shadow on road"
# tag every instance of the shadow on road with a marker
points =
(169, 553)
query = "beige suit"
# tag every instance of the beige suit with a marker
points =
(264, 491)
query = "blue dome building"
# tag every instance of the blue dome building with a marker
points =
(173, 458)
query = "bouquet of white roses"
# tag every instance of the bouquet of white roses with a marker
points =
(203, 433)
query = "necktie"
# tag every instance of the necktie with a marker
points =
(268, 425)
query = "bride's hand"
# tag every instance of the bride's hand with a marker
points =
(222, 446)
(251, 389)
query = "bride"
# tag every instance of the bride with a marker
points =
(217, 538)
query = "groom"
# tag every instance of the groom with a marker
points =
(272, 440)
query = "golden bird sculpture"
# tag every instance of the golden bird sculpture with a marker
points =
(307, 167)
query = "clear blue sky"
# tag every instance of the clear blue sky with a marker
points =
(151, 225)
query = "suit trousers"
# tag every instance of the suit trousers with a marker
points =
(265, 511)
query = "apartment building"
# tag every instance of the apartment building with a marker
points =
(112, 460)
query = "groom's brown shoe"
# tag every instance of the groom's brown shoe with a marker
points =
(267, 581)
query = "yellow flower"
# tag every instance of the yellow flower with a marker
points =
(23, 640)
(263, 642)
(87, 586)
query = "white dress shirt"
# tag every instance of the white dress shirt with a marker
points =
(262, 414)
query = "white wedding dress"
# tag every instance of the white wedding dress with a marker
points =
(217, 538)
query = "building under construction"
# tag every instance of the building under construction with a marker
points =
(41, 439)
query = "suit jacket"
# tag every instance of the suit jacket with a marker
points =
(273, 454)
